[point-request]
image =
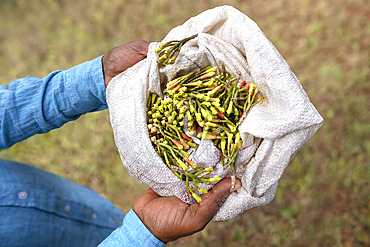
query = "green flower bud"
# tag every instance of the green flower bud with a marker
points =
(161, 108)
(203, 191)
(196, 197)
(190, 117)
(209, 169)
(215, 179)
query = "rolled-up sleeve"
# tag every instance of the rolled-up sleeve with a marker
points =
(31, 105)
(132, 233)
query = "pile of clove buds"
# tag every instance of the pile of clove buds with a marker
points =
(214, 106)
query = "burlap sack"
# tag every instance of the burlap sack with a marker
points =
(273, 131)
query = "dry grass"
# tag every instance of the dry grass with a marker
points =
(323, 198)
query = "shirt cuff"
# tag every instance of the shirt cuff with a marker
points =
(132, 233)
(137, 230)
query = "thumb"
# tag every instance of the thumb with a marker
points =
(213, 200)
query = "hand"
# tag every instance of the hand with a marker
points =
(123, 57)
(168, 218)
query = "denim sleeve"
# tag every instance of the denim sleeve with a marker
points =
(131, 233)
(31, 105)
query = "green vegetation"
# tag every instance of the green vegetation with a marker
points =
(323, 198)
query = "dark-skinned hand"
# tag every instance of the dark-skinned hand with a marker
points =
(123, 57)
(168, 218)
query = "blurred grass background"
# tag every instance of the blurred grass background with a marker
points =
(323, 198)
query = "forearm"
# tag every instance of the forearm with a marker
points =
(132, 233)
(31, 105)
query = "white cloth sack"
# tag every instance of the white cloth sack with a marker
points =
(273, 131)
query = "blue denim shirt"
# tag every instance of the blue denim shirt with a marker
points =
(30, 106)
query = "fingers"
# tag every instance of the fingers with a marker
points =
(146, 197)
(141, 46)
(138, 48)
(122, 57)
(213, 200)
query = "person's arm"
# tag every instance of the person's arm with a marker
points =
(31, 105)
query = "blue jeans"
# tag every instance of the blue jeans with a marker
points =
(38, 208)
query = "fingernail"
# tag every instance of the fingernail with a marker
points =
(237, 186)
